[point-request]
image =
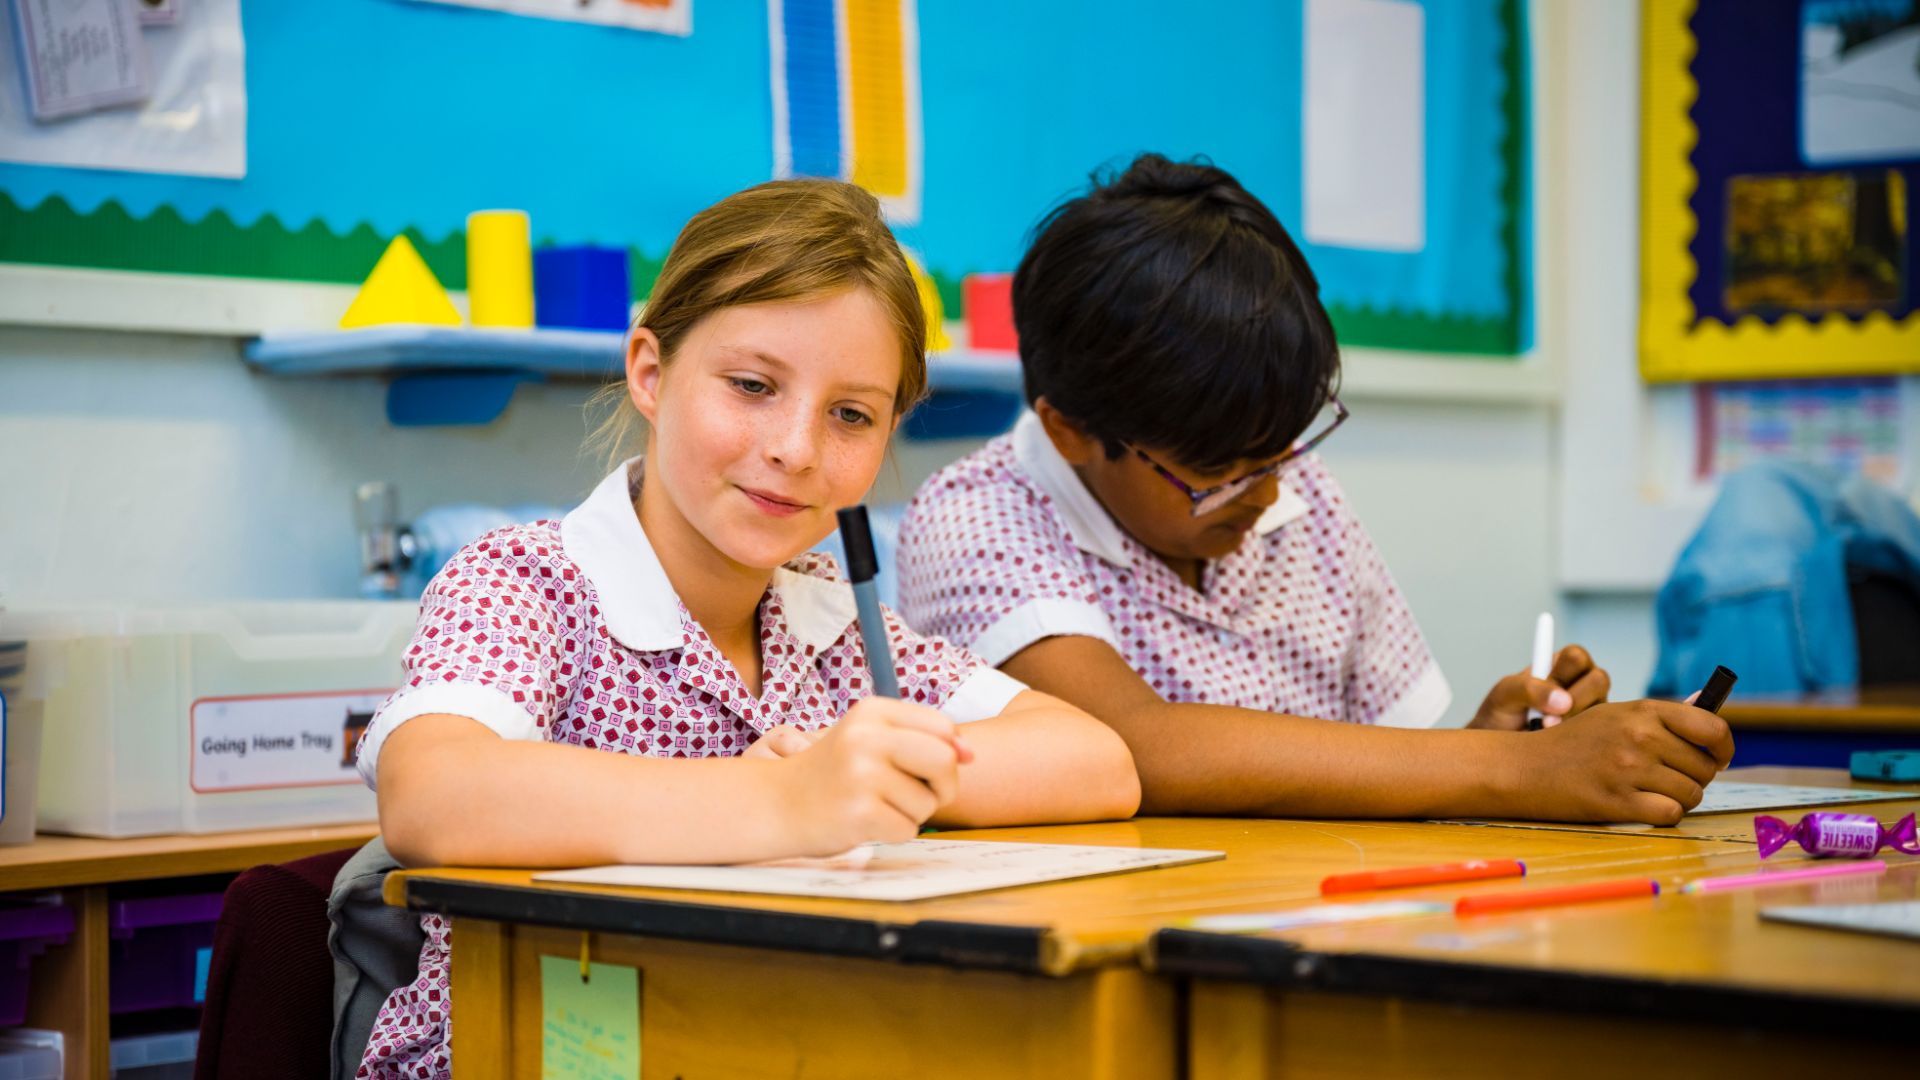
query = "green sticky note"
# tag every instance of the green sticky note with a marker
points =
(589, 1029)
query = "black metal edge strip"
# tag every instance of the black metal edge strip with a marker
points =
(1288, 966)
(972, 945)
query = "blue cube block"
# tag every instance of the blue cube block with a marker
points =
(583, 287)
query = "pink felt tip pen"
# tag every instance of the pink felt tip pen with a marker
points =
(1783, 877)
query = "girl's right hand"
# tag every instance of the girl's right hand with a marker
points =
(878, 774)
(1645, 761)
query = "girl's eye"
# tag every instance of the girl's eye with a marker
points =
(753, 387)
(853, 416)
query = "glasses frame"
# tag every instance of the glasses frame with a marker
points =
(1206, 500)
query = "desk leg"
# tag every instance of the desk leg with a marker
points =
(483, 987)
(69, 989)
(729, 1013)
(1238, 1031)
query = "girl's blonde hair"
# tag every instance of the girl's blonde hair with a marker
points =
(777, 242)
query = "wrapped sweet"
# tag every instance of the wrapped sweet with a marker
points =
(1826, 832)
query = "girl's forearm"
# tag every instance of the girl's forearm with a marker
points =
(453, 793)
(1042, 761)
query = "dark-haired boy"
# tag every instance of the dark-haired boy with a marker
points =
(1156, 544)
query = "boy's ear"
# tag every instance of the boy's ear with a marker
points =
(1074, 444)
(643, 372)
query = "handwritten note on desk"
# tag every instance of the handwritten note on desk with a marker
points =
(914, 870)
(1726, 796)
(589, 1028)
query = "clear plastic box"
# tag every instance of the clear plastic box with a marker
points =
(30, 1054)
(161, 1056)
(206, 719)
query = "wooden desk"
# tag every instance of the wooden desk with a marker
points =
(1824, 730)
(69, 989)
(1894, 709)
(1036, 981)
(1680, 985)
(1737, 827)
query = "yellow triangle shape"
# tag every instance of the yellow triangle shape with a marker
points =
(400, 290)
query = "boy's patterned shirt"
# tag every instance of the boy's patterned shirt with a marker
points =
(1007, 547)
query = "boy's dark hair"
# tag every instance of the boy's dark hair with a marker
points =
(1167, 307)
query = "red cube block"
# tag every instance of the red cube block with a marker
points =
(989, 302)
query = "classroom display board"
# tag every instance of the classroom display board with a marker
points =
(1781, 145)
(1390, 135)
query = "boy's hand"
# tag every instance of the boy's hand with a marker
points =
(784, 740)
(1645, 761)
(880, 772)
(1574, 685)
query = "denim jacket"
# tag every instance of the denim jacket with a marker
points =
(1762, 586)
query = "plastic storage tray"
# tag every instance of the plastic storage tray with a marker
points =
(161, 1056)
(27, 929)
(30, 1054)
(206, 719)
(154, 962)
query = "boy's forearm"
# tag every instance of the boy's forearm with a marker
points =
(486, 801)
(1211, 759)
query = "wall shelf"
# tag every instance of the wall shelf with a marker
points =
(463, 375)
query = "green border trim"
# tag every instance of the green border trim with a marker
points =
(109, 238)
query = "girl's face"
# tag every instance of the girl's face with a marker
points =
(769, 419)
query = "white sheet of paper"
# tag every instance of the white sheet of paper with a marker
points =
(1726, 796)
(1897, 918)
(1364, 129)
(81, 55)
(914, 870)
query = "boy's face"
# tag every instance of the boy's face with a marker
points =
(1153, 510)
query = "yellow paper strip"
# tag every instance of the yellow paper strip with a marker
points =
(875, 44)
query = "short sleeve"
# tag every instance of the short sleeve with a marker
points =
(987, 565)
(937, 673)
(487, 647)
(1392, 677)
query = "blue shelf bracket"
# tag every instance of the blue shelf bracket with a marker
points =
(447, 398)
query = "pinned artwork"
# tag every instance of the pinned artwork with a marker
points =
(1781, 143)
(846, 96)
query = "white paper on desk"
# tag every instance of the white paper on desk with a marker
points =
(914, 870)
(1897, 918)
(81, 55)
(1727, 796)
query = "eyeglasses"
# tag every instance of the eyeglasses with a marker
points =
(1207, 500)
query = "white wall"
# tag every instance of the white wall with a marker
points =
(146, 468)
(1459, 499)
(149, 468)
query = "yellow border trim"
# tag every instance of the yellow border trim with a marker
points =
(1672, 347)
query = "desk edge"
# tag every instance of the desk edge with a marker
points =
(1286, 965)
(1023, 949)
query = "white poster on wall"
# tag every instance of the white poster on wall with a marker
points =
(1364, 130)
(659, 16)
(98, 86)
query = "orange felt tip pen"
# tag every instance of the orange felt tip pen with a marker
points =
(1521, 900)
(1407, 876)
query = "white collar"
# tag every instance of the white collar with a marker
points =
(604, 538)
(1093, 530)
